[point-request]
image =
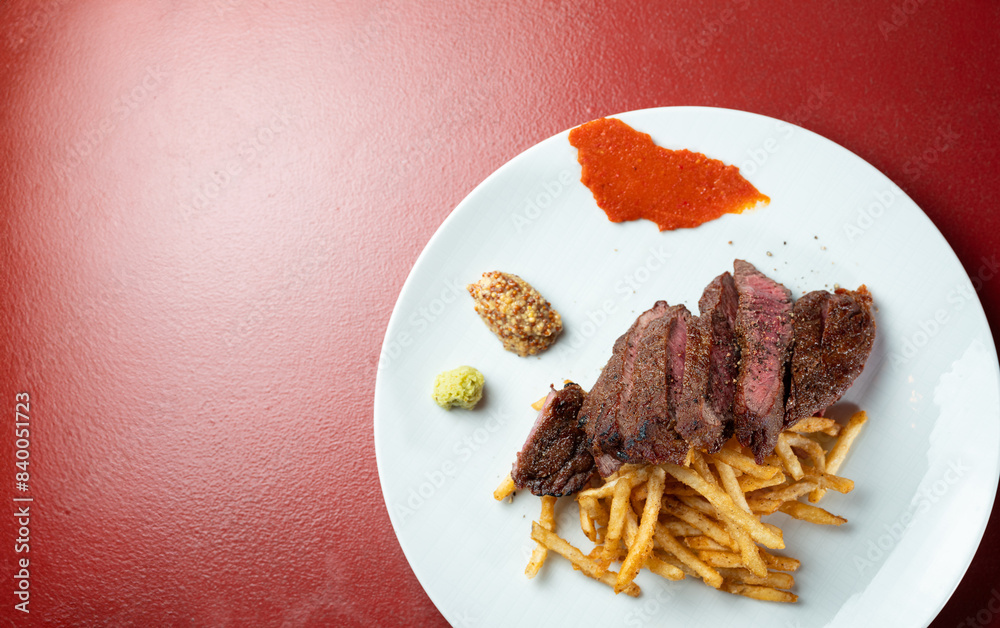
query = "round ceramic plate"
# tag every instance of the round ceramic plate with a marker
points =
(925, 467)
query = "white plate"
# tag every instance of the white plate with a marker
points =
(926, 466)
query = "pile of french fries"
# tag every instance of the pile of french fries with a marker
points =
(703, 519)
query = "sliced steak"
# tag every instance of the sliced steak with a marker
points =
(763, 336)
(555, 459)
(833, 337)
(608, 400)
(599, 414)
(647, 423)
(705, 408)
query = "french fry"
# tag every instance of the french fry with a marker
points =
(781, 563)
(538, 405)
(505, 489)
(589, 567)
(847, 436)
(767, 594)
(633, 477)
(703, 523)
(830, 481)
(700, 504)
(810, 513)
(745, 464)
(642, 544)
(587, 524)
(597, 515)
(749, 553)
(724, 504)
(732, 485)
(697, 566)
(786, 492)
(699, 464)
(749, 483)
(812, 449)
(717, 558)
(598, 552)
(839, 450)
(789, 460)
(547, 519)
(761, 506)
(814, 424)
(616, 520)
(630, 529)
(775, 579)
(663, 569)
(703, 542)
(680, 528)
(703, 518)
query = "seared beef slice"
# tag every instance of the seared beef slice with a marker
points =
(599, 414)
(555, 460)
(834, 334)
(648, 417)
(605, 407)
(764, 337)
(705, 409)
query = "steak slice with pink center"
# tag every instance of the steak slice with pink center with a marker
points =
(764, 338)
(705, 409)
(648, 422)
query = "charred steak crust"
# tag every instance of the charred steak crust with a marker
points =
(629, 414)
(764, 338)
(648, 423)
(833, 336)
(601, 411)
(749, 365)
(705, 407)
(598, 416)
(556, 458)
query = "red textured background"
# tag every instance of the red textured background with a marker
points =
(208, 210)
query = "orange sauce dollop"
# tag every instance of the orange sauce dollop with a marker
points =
(632, 178)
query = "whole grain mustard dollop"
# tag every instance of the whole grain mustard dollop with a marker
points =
(519, 316)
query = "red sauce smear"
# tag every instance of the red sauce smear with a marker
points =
(632, 178)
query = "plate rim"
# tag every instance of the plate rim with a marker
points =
(498, 172)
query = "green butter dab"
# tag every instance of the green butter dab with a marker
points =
(461, 387)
